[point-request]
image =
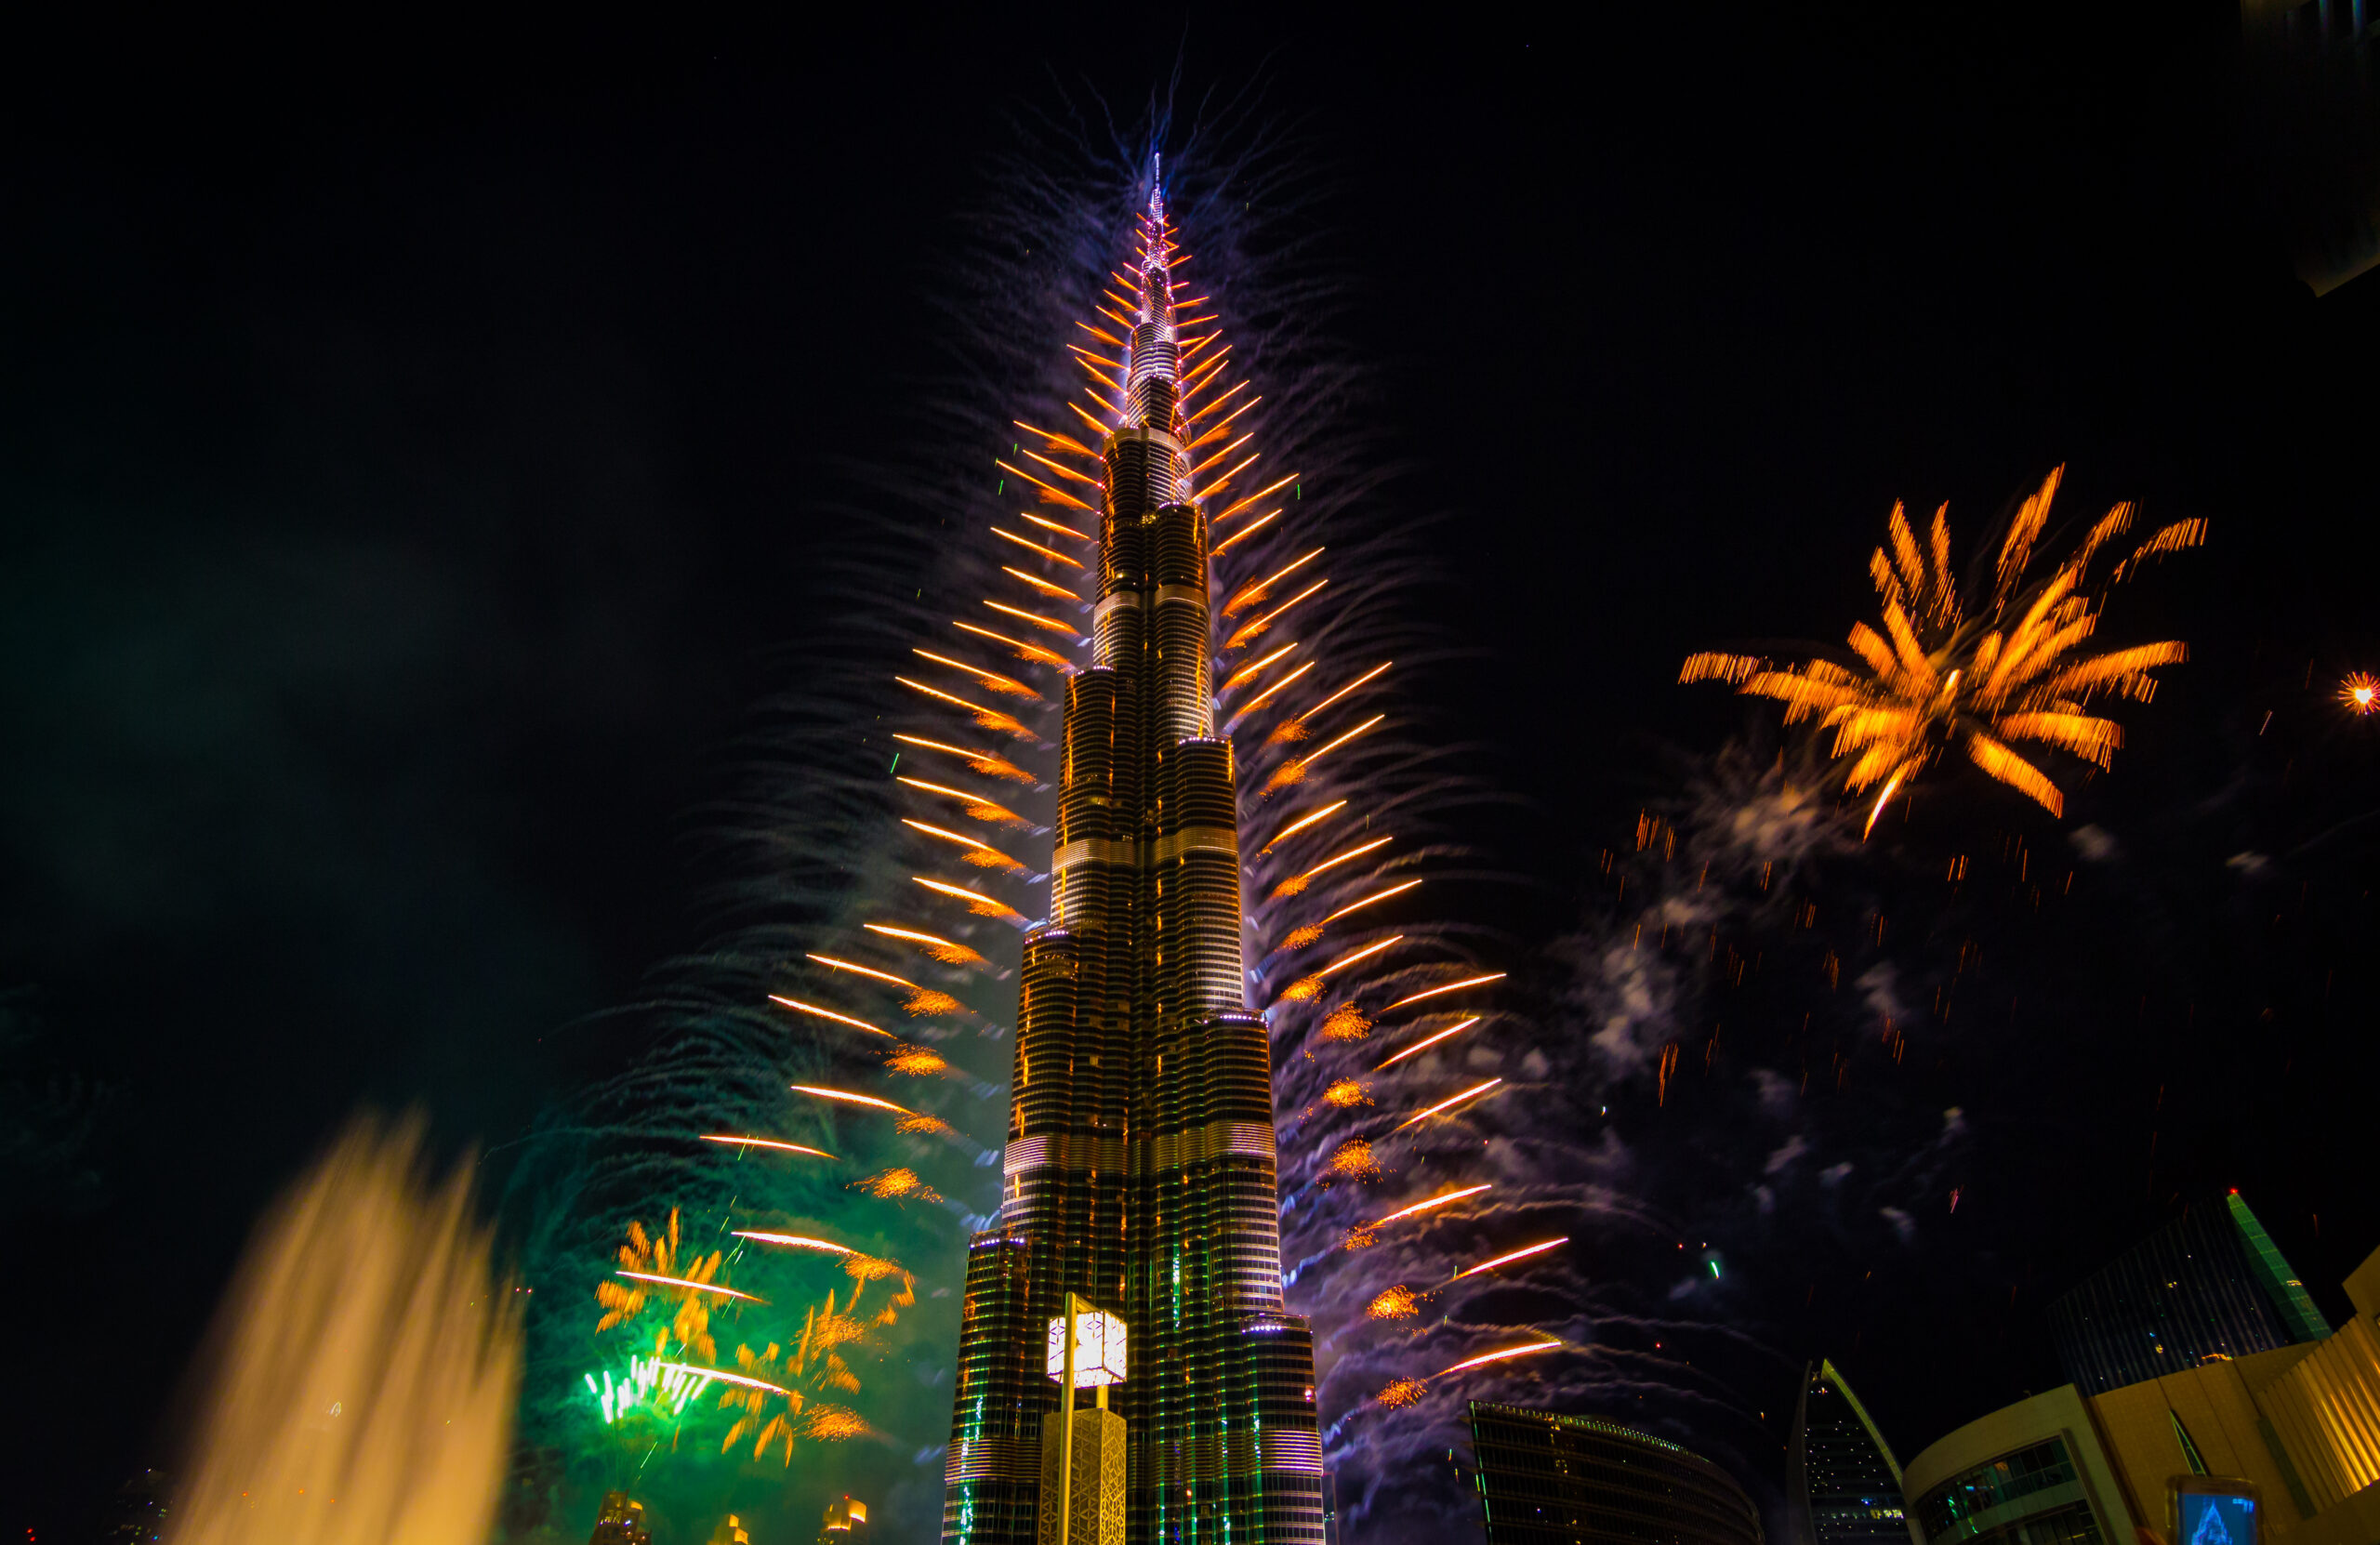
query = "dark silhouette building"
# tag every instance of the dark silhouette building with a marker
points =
(2208, 1286)
(1549, 1479)
(1139, 1165)
(1842, 1483)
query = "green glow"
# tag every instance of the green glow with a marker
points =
(666, 1390)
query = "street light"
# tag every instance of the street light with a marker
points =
(1086, 1348)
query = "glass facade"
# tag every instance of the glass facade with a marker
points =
(1842, 1485)
(1139, 1168)
(1549, 1479)
(2208, 1286)
(2032, 1497)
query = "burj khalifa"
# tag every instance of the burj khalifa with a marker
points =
(1139, 1168)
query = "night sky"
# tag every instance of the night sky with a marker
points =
(413, 449)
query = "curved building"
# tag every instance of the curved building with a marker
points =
(1140, 1165)
(1549, 1479)
(1842, 1483)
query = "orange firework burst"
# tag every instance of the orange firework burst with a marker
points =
(1345, 1022)
(896, 1184)
(1937, 679)
(1346, 1093)
(1399, 1393)
(2360, 693)
(1399, 1302)
(916, 1062)
(1352, 1160)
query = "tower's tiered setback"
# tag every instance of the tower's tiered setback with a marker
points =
(1140, 1167)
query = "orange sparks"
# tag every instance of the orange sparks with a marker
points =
(1294, 771)
(1052, 526)
(1249, 671)
(915, 1062)
(977, 903)
(1210, 490)
(1265, 491)
(1058, 493)
(893, 1184)
(988, 718)
(1449, 987)
(1352, 1160)
(1364, 954)
(1036, 546)
(1442, 1199)
(799, 1007)
(847, 1097)
(1399, 1302)
(1056, 439)
(1420, 1047)
(1065, 471)
(721, 1375)
(688, 1282)
(1024, 650)
(1890, 784)
(976, 805)
(1472, 1093)
(1297, 883)
(1346, 1022)
(1302, 822)
(765, 1143)
(2360, 693)
(1266, 695)
(794, 1242)
(949, 952)
(1007, 685)
(1521, 1254)
(1224, 452)
(1257, 625)
(1246, 531)
(834, 1425)
(1050, 624)
(1298, 938)
(1398, 1393)
(1529, 1350)
(1378, 896)
(986, 763)
(1342, 692)
(1250, 595)
(1346, 1094)
(981, 855)
(1219, 403)
(1039, 584)
(1097, 427)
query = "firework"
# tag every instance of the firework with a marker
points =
(1399, 1302)
(1976, 674)
(765, 1143)
(2360, 693)
(1524, 1253)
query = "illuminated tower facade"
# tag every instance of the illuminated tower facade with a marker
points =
(1843, 1485)
(1139, 1165)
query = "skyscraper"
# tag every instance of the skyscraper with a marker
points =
(2209, 1284)
(1842, 1483)
(1545, 1478)
(1139, 1165)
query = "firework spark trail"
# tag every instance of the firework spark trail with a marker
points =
(1972, 671)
